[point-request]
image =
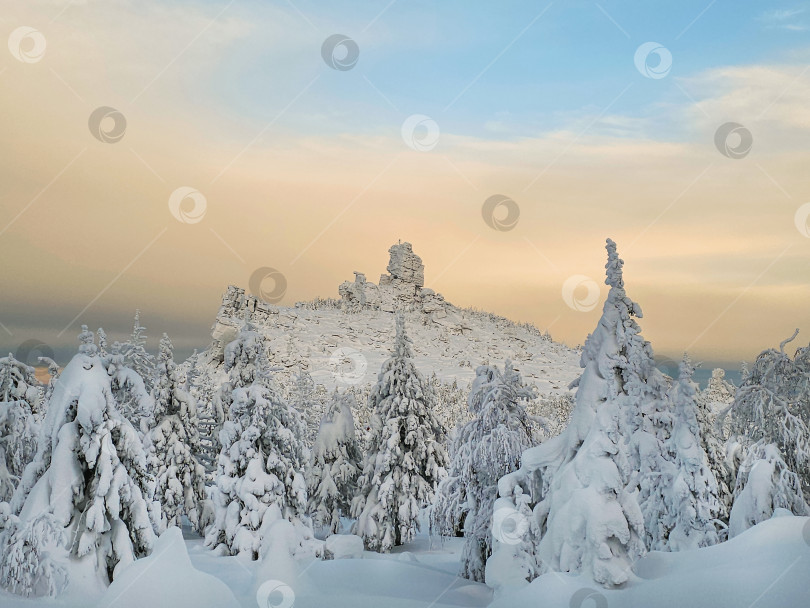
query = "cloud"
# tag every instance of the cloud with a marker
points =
(696, 228)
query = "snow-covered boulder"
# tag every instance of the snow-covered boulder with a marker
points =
(343, 546)
(167, 578)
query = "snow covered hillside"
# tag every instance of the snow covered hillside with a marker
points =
(344, 342)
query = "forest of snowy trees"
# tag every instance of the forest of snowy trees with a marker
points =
(122, 445)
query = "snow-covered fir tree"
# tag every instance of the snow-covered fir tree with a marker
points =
(136, 357)
(690, 503)
(20, 397)
(583, 483)
(712, 403)
(172, 445)
(259, 476)
(764, 483)
(405, 458)
(485, 449)
(88, 479)
(334, 465)
(130, 390)
(309, 400)
(772, 406)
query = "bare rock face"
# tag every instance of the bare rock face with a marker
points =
(402, 288)
(405, 265)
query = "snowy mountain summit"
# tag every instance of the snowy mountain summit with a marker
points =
(344, 341)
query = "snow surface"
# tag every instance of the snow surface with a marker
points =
(767, 566)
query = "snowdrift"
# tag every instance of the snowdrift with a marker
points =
(768, 566)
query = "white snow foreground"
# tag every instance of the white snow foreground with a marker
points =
(767, 566)
(167, 578)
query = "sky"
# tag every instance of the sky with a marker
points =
(154, 152)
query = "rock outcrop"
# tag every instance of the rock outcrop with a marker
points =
(403, 287)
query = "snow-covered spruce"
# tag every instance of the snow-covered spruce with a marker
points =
(690, 503)
(21, 396)
(309, 399)
(130, 390)
(712, 402)
(484, 450)
(405, 459)
(582, 484)
(136, 357)
(764, 483)
(88, 478)
(172, 443)
(259, 477)
(334, 465)
(772, 406)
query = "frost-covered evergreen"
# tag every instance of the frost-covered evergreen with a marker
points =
(405, 459)
(712, 402)
(130, 390)
(259, 476)
(485, 449)
(20, 397)
(690, 498)
(309, 399)
(583, 483)
(88, 478)
(179, 477)
(764, 483)
(772, 406)
(136, 356)
(334, 465)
